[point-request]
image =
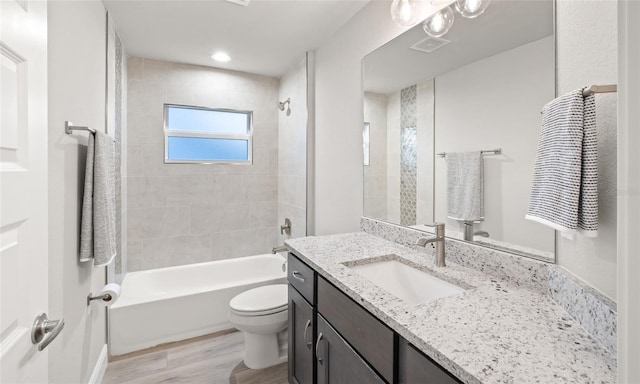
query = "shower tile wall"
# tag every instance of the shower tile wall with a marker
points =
(189, 213)
(409, 155)
(425, 146)
(393, 157)
(292, 153)
(119, 120)
(375, 174)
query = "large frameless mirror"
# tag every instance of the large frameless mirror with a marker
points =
(476, 91)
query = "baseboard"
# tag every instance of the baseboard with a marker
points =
(101, 366)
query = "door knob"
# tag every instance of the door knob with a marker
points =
(41, 326)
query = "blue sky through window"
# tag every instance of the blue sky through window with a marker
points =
(198, 148)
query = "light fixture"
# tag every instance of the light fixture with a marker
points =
(221, 57)
(404, 12)
(471, 8)
(439, 23)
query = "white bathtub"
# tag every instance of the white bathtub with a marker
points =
(171, 304)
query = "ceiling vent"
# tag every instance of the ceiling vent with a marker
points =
(244, 3)
(430, 44)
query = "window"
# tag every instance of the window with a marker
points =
(206, 135)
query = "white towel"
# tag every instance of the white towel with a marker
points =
(465, 186)
(98, 226)
(564, 194)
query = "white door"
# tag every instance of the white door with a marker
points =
(23, 189)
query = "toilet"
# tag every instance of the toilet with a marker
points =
(261, 313)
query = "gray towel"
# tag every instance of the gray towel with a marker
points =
(98, 227)
(564, 194)
(465, 186)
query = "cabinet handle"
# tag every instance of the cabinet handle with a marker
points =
(306, 329)
(317, 347)
(298, 276)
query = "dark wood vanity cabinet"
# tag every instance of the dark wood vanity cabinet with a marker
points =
(414, 367)
(337, 361)
(369, 336)
(333, 339)
(301, 339)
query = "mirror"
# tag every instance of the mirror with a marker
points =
(480, 87)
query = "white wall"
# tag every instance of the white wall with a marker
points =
(338, 123)
(76, 93)
(292, 153)
(496, 103)
(588, 54)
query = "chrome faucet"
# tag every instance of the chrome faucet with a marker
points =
(281, 248)
(439, 241)
(469, 232)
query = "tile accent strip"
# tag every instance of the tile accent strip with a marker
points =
(408, 155)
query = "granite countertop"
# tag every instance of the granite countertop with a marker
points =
(494, 332)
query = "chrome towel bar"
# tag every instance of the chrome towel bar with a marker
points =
(496, 151)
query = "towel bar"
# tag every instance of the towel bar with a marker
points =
(609, 88)
(496, 151)
(69, 127)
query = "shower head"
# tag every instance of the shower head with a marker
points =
(281, 105)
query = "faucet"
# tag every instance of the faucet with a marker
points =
(439, 241)
(469, 233)
(281, 248)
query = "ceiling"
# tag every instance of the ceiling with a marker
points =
(268, 37)
(506, 24)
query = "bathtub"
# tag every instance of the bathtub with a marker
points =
(171, 304)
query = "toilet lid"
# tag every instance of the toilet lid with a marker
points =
(262, 300)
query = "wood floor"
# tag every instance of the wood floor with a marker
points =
(213, 359)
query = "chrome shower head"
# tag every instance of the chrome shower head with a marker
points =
(281, 105)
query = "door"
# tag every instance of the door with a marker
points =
(300, 339)
(23, 190)
(337, 362)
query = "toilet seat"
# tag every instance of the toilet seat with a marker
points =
(261, 301)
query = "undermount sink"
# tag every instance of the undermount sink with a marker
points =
(409, 284)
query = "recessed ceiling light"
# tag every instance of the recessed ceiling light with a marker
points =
(221, 57)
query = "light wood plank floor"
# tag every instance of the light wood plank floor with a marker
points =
(211, 359)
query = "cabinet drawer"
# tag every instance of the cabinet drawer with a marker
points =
(414, 367)
(368, 335)
(301, 277)
(337, 362)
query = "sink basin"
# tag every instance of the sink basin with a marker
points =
(408, 283)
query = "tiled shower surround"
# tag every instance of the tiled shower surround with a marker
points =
(188, 213)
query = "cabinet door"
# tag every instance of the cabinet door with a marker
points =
(414, 367)
(300, 339)
(337, 362)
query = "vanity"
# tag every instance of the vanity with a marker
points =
(335, 339)
(346, 328)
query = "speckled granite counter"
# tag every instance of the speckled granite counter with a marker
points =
(494, 332)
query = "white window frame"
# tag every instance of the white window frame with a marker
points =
(209, 135)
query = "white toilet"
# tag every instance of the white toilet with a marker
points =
(261, 313)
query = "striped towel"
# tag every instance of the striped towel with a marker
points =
(564, 195)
